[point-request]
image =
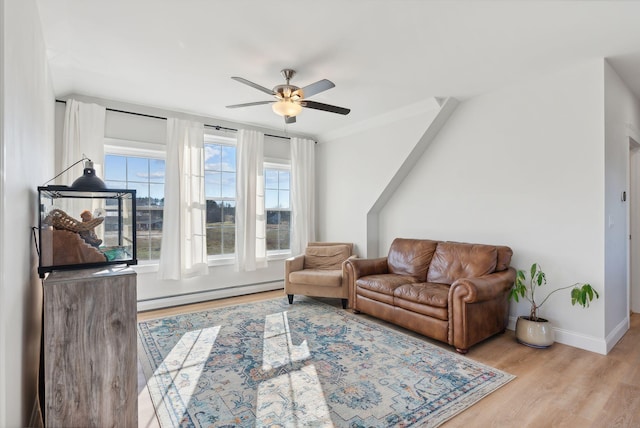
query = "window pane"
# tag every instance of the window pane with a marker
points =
(228, 158)
(137, 169)
(212, 184)
(115, 168)
(284, 240)
(284, 179)
(214, 240)
(229, 212)
(277, 206)
(214, 212)
(220, 191)
(271, 179)
(270, 199)
(156, 170)
(229, 239)
(212, 157)
(156, 195)
(283, 199)
(228, 184)
(146, 176)
(142, 193)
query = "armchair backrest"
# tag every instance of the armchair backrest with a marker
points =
(326, 255)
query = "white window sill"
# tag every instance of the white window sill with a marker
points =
(152, 266)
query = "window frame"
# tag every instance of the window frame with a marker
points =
(283, 165)
(132, 148)
(210, 138)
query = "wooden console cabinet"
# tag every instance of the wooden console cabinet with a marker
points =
(90, 354)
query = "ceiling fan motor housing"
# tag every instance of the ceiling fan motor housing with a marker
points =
(285, 92)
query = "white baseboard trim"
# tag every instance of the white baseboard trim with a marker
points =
(203, 296)
(575, 339)
(617, 333)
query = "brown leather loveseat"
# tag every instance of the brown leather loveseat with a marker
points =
(453, 292)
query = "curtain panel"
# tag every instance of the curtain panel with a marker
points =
(184, 239)
(251, 243)
(82, 135)
(303, 222)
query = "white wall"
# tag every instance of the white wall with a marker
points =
(222, 280)
(521, 166)
(26, 162)
(621, 110)
(353, 169)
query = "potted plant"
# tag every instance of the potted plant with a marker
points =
(535, 331)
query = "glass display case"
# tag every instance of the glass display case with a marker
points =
(81, 228)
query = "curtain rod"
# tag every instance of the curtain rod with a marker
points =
(217, 127)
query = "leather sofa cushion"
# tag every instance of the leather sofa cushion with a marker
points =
(326, 256)
(322, 277)
(429, 311)
(424, 293)
(384, 283)
(455, 260)
(411, 257)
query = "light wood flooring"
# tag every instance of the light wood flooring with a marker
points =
(560, 386)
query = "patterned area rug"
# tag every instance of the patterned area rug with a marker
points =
(271, 364)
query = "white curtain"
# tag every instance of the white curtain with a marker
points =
(251, 244)
(184, 240)
(82, 134)
(303, 222)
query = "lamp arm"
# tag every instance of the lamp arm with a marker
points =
(76, 163)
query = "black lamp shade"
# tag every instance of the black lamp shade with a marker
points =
(89, 180)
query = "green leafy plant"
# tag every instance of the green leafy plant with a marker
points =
(581, 293)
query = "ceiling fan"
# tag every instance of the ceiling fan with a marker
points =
(290, 99)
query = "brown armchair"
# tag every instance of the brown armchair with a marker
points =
(319, 272)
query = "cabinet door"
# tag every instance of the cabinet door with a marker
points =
(90, 348)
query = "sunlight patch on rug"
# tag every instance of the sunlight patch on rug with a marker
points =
(307, 364)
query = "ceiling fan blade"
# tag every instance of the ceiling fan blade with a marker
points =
(324, 107)
(254, 85)
(317, 87)
(289, 119)
(257, 103)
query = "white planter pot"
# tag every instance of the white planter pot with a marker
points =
(537, 334)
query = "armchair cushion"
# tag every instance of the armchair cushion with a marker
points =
(320, 277)
(326, 257)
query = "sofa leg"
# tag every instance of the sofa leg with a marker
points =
(345, 302)
(355, 311)
(462, 351)
(290, 297)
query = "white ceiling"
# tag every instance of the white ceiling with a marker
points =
(382, 55)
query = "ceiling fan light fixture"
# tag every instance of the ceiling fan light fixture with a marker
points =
(286, 108)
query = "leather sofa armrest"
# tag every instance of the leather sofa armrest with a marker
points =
(363, 267)
(483, 288)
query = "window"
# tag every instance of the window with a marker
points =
(220, 192)
(277, 204)
(146, 176)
